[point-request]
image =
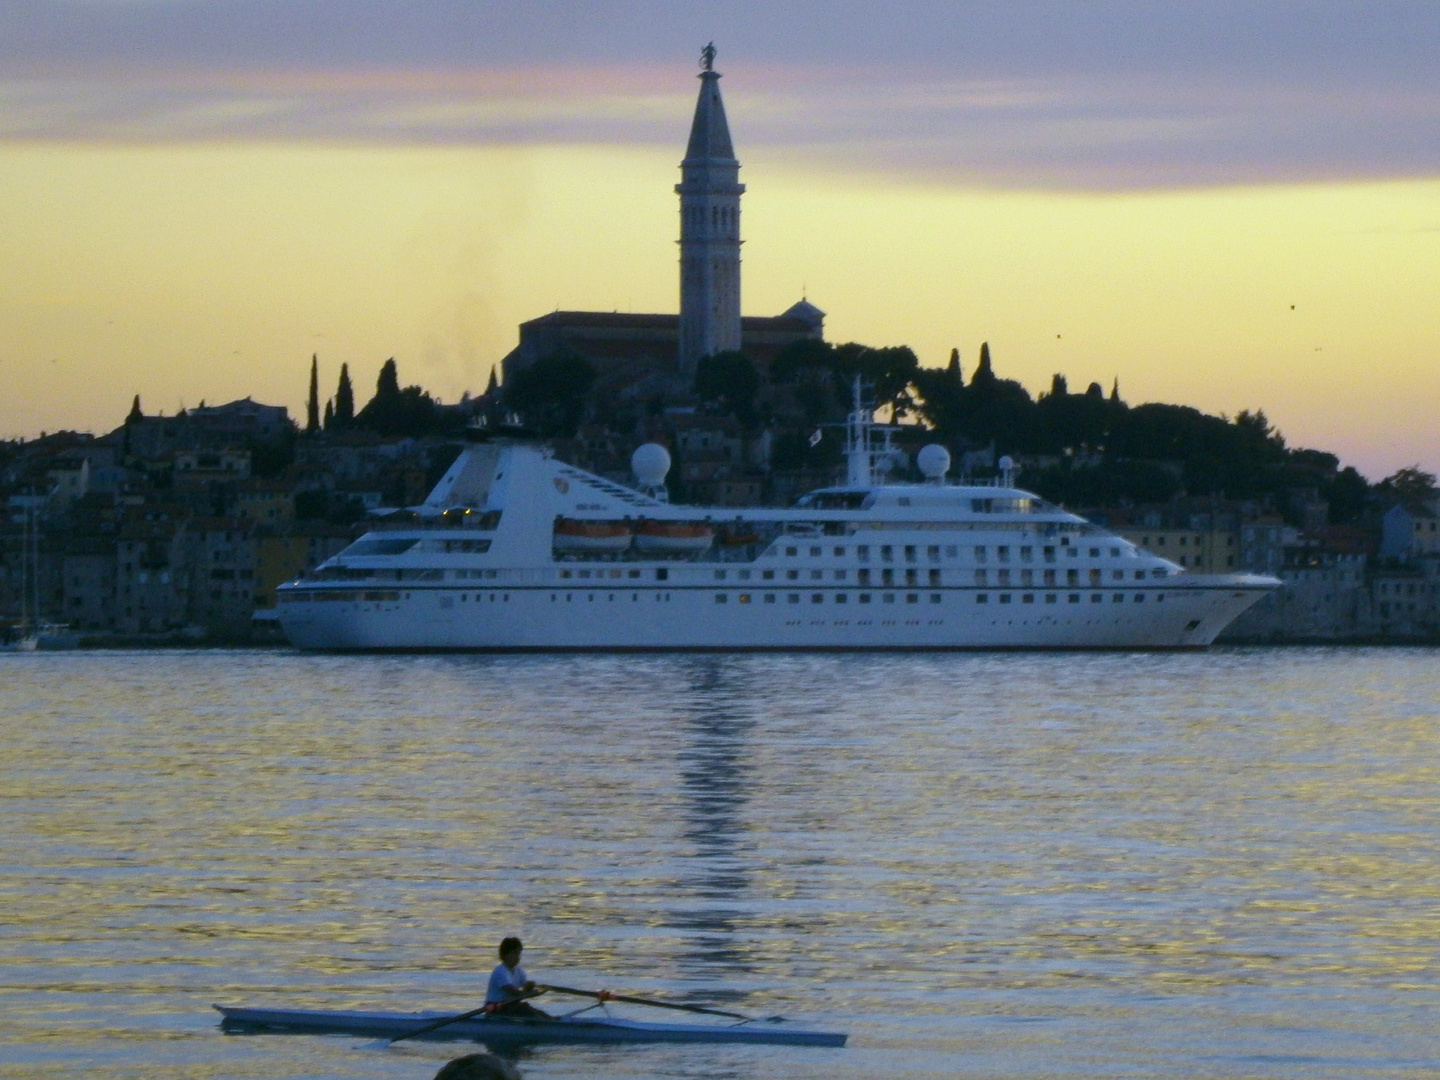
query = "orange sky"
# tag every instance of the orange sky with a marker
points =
(213, 270)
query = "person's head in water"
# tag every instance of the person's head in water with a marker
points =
(510, 951)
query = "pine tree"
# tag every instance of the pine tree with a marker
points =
(312, 406)
(344, 399)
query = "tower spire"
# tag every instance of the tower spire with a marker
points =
(709, 191)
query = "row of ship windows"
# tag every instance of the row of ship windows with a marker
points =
(911, 552)
(391, 596)
(936, 598)
(933, 577)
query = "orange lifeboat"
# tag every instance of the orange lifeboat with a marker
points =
(591, 537)
(683, 537)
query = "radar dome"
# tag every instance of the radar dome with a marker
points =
(934, 461)
(650, 463)
(1007, 463)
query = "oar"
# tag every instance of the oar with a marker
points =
(487, 1007)
(606, 995)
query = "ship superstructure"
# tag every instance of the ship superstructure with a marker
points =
(515, 549)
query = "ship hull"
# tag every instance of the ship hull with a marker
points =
(1181, 614)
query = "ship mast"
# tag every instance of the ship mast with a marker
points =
(860, 449)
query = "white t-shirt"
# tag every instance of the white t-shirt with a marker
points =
(502, 977)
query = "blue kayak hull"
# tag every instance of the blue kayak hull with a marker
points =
(509, 1031)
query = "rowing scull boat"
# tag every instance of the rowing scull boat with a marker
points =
(513, 1030)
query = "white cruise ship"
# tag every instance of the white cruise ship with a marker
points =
(515, 550)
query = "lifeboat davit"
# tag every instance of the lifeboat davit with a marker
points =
(688, 537)
(593, 537)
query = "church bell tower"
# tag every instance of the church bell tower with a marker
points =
(709, 191)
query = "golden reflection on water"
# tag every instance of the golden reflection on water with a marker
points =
(1214, 864)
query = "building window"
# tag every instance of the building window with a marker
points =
(720, 598)
(982, 598)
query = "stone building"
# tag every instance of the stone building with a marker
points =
(655, 350)
(1410, 531)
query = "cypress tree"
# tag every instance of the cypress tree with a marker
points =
(1059, 385)
(1115, 391)
(388, 384)
(135, 413)
(984, 373)
(953, 369)
(312, 406)
(344, 399)
(493, 385)
(329, 416)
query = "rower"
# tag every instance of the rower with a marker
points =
(509, 985)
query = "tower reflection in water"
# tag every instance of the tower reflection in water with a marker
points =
(713, 904)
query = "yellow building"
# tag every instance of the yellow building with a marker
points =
(266, 502)
(1215, 551)
(278, 558)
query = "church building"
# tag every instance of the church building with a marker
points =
(646, 348)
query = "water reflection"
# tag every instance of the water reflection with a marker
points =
(1220, 864)
(715, 776)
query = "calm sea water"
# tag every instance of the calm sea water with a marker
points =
(1220, 864)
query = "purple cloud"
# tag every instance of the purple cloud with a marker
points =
(1101, 94)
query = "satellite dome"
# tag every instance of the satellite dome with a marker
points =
(1007, 463)
(934, 461)
(650, 463)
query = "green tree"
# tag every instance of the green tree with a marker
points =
(394, 412)
(1410, 483)
(344, 399)
(312, 403)
(552, 394)
(731, 381)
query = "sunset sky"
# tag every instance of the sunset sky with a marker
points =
(1230, 205)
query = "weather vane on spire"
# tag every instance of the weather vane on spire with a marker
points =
(707, 57)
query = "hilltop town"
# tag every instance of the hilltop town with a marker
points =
(179, 528)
